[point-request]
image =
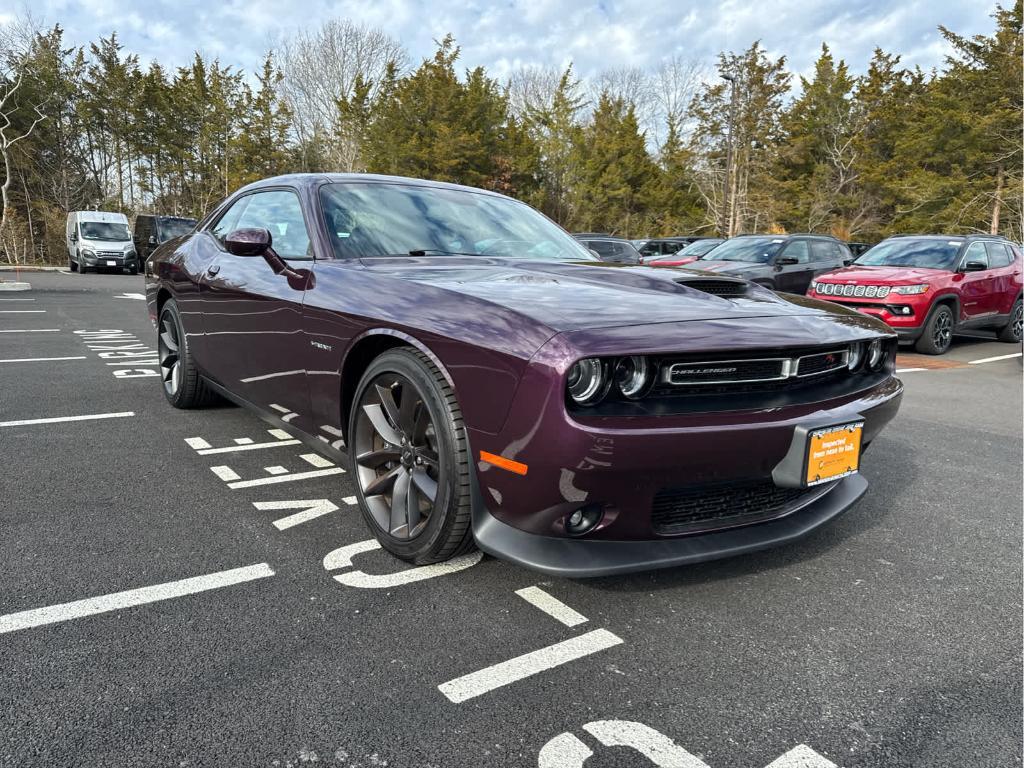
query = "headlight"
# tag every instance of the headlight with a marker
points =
(588, 381)
(89, 254)
(909, 290)
(814, 285)
(855, 356)
(632, 374)
(876, 354)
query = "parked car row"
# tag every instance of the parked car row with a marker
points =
(102, 240)
(927, 288)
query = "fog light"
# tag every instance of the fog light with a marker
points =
(583, 520)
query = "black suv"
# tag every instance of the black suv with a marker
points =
(150, 231)
(780, 262)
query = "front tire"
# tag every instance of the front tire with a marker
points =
(182, 384)
(1012, 331)
(72, 265)
(409, 455)
(938, 332)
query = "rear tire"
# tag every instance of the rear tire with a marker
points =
(72, 265)
(938, 331)
(183, 386)
(1011, 332)
(406, 440)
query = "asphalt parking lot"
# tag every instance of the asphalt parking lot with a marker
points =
(249, 622)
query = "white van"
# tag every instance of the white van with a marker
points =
(100, 240)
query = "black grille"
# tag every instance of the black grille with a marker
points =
(724, 505)
(732, 371)
(813, 365)
(726, 288)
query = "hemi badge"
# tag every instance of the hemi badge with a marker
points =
(515, 467)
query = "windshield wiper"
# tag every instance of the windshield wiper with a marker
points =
(425, 251)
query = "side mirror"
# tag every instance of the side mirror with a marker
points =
(74, 237)
(847, 262)
(152, 239)
(248, 242)
(595, 253)
(974, 266)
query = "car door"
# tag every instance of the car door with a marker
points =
(252, 316)
(977, 289)
(794, 278)
(1004, 271)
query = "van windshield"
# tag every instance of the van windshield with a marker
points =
(104, 230)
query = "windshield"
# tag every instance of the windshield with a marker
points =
(755, 250)
(377, 219)
(905, 252)
(104, 230)
(175, 228)
(700, 247)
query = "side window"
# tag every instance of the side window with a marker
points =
(603, 247)
(976, 252)
(998, 255)
(228, 222)
(798, 250)
(823, 250)
(280, 212)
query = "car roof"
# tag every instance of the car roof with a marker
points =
(973, 236)
(608, 238)
(100, 216)
(315, 179)
(787, 235)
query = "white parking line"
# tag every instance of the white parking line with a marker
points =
(17, 299)
(277, 469)
(227, 474)
(994, 359)
(90, 606)
(39, 359)
(552, 606)
(246, 447)
(59, 419)
(285, 478)
(32, 330)
(909, 370)
(507, 672)
(311, 509)
(22, 311)
(316, 460)
(196, 442)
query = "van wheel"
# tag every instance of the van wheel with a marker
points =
(1011, 332)
(72, 264)
(938, 332)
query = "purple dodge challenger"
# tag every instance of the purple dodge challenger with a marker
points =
(487, 382)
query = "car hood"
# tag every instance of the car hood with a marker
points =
(577, 295)
(111, 246)
(863, 274)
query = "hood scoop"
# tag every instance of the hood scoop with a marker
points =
(727, 289)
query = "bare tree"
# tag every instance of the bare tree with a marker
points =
(16, 43)
(675, 83)
(321, 67)
(634, 86)
(532, 88)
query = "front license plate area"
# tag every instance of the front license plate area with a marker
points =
(833, 452)
(111, 263)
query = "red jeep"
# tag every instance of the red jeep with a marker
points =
(927, 287)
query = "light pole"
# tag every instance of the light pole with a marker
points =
(726, 225)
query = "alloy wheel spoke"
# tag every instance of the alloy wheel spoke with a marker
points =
(383, 483)
(400, 504)
(374, 459)
(412, 507)
(169, 341)
(387, 401)
(375, 413)
(425, 484)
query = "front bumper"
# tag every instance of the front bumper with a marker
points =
(582, 558)
(904, 314)
(112, 262)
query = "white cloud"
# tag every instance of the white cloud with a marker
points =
(503, 34)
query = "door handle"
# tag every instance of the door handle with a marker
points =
(213, 270)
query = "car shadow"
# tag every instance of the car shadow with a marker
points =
(889, 465)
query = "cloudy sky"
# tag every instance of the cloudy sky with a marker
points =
(504, 34)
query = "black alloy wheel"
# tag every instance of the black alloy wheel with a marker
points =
(409, 456)
(938, 331)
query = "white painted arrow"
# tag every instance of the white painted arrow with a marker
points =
(311, 509)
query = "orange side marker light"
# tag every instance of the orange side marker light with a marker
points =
(516, 467)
